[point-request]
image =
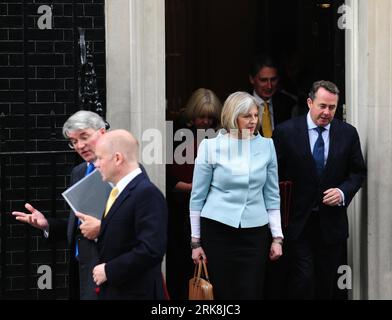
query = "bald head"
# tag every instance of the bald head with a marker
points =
(117, 154)
(121, 141)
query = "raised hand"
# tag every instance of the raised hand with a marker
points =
(35, 218)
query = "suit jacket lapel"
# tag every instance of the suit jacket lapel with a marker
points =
(276, 111)
(121, 198)
(77, 175)
(303, 136)
(333, 136)
(81, 172)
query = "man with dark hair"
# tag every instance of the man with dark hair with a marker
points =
(322, 157)
(82, 130)
(275, 105)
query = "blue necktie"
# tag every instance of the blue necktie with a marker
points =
(90, 168)
(318, 151)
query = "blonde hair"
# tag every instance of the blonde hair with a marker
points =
(203, 103)
(236, 104)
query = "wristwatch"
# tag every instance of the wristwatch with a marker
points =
(278, 240)
(195, 244)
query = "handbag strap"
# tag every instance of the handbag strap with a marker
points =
(205, 270)
(201, 270)
(198, 269)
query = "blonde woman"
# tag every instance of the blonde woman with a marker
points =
(235, 203)
(202, 112)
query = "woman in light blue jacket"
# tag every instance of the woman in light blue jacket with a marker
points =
(235, 202)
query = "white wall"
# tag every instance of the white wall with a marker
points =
(135, 68)
(369, 83)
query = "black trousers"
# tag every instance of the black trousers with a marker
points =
(179, 263)
(88, 259)
(313, 264)
(276, 274)
(236, 259)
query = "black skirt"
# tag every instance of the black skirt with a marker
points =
(236, 259)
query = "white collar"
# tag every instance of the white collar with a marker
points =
(127, 179)
(312, 125)
(260, 100)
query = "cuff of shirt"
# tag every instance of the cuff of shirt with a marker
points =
(275, 223)
(195, 223)
(343, 203)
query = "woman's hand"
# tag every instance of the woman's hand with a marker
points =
(275, 251)
(198, 254)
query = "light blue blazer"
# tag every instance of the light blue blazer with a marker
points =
(235, 181)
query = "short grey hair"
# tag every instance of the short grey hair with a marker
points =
(236, 104)
(83, 120)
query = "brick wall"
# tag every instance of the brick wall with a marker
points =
(38, 91)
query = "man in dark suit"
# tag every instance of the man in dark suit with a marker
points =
(323, 158)
(275, 104)
(82, 130)
(132, 240)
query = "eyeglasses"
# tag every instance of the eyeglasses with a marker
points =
(84, 138)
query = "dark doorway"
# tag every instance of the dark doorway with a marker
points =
(209, 44)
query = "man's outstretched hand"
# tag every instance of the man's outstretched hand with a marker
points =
(35, 218)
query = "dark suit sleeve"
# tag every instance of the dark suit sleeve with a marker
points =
(57, 230)
(278, 142)
(150, 229)
(57, 226)
(356, 170)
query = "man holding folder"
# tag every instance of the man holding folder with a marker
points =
(82, 130)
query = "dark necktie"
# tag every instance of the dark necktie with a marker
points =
(318, 151)
(90, 168)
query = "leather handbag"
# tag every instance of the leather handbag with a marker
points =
(200, 287)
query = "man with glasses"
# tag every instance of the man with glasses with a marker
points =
(82, 129)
